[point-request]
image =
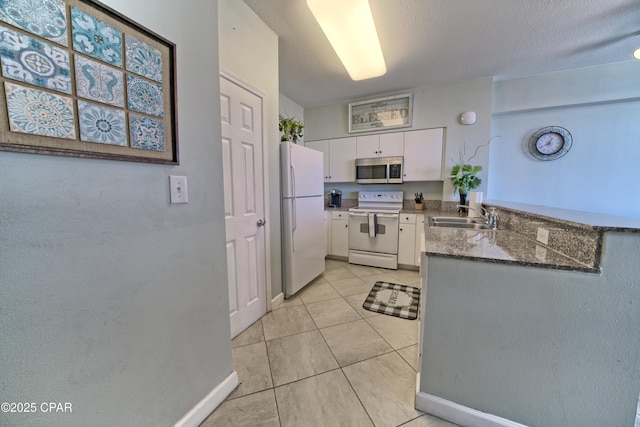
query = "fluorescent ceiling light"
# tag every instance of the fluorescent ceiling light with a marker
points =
(349, 26)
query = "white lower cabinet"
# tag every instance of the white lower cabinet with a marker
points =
(339, 233)
(407, 239)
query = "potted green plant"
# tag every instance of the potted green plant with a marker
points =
(290, 129)
(464, 175)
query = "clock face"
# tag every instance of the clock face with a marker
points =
(550, 143)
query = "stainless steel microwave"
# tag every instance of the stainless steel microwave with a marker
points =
(379, 170)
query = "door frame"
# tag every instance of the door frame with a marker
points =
(226, 74)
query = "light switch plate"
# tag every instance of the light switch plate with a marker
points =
(178, 189)
(543, 236)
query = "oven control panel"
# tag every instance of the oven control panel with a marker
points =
(380, 199)
(380, 196)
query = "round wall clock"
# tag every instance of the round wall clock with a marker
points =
(550, 143)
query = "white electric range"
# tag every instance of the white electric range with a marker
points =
(373, 229)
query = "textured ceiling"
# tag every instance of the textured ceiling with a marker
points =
(436, 42)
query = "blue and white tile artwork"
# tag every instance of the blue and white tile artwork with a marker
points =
(37, 112)
(95, 38)
(44, 18)
(102, 124)
(144, 96)
(99, 82)
(146, 133)
(143, 59)
(32, 61)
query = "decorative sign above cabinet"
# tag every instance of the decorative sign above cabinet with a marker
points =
(381, 113)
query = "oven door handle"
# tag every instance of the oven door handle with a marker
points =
(379, 215)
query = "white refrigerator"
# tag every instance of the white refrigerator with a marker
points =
(303, 228)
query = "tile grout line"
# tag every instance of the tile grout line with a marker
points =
(273, 383)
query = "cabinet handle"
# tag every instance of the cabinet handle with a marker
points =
(401, 229)
(346, 225)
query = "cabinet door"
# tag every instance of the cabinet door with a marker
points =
(321, 145)
(367, 146)
(407, 244)
(342, 160)
(391, 144)
(423, 155)
(340, 237)
(419, 239)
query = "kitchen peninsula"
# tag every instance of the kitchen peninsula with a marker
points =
(520, 333)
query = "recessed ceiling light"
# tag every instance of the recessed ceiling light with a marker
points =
(349, 26)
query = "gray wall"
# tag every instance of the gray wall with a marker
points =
(111, 298)
(249, 50)
(536, 346)
(432, 107)
(600, 106)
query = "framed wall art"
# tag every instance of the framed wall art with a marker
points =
(81, 80)
(381, 113)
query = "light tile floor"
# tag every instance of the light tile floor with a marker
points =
(320, 359)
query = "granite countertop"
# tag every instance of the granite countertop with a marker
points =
(602, 222)
(497, 246)
(573, 232)
(575, 243)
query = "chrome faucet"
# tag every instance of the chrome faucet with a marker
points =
(490, 217)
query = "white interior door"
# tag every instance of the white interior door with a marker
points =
(244, 203)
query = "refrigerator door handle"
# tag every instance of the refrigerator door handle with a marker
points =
(293, 181)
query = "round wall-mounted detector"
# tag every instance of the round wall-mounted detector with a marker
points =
(468, 118)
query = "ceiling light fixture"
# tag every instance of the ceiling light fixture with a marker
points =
(636, 53)
(349, 26)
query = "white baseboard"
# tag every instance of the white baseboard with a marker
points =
(458, 414)
(211, 401)
(277, 300)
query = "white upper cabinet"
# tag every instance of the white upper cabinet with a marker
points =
(423, 155)
(321, 145)
(379, 145)
(339, 158)
(392, 144)
(422, 151)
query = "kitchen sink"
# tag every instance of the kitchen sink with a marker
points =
(458, 222)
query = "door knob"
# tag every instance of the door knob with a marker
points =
(261, 222)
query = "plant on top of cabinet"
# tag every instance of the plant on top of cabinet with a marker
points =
(291, 129)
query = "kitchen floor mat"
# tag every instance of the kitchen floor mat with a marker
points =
(394, 300)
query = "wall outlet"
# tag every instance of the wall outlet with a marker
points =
(543, 236)
(178, 187)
